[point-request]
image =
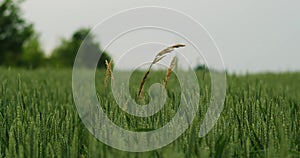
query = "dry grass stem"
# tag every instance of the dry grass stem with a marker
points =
(143, 83)
(108, 72)
(169, 72)
(157, 58)
(125, 107)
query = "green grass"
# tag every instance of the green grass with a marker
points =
(38, 118)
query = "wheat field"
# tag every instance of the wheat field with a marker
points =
(38, 118)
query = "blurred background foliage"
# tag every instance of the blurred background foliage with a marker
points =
(20, 44)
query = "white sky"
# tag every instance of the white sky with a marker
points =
(252, 35)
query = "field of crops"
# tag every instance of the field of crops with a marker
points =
(38, 118)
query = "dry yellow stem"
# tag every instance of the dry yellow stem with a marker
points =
(108, 72)
(169, 72)
(157, 58)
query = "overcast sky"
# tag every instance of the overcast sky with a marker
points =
(252, 35)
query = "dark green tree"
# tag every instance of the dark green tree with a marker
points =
(33, 55)
(14, 32)
(64, 55)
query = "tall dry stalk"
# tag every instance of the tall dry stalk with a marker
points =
(108, 72)
(169, 72)
(157, 58)
(125, 107)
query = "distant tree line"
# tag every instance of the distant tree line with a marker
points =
(20, 45)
